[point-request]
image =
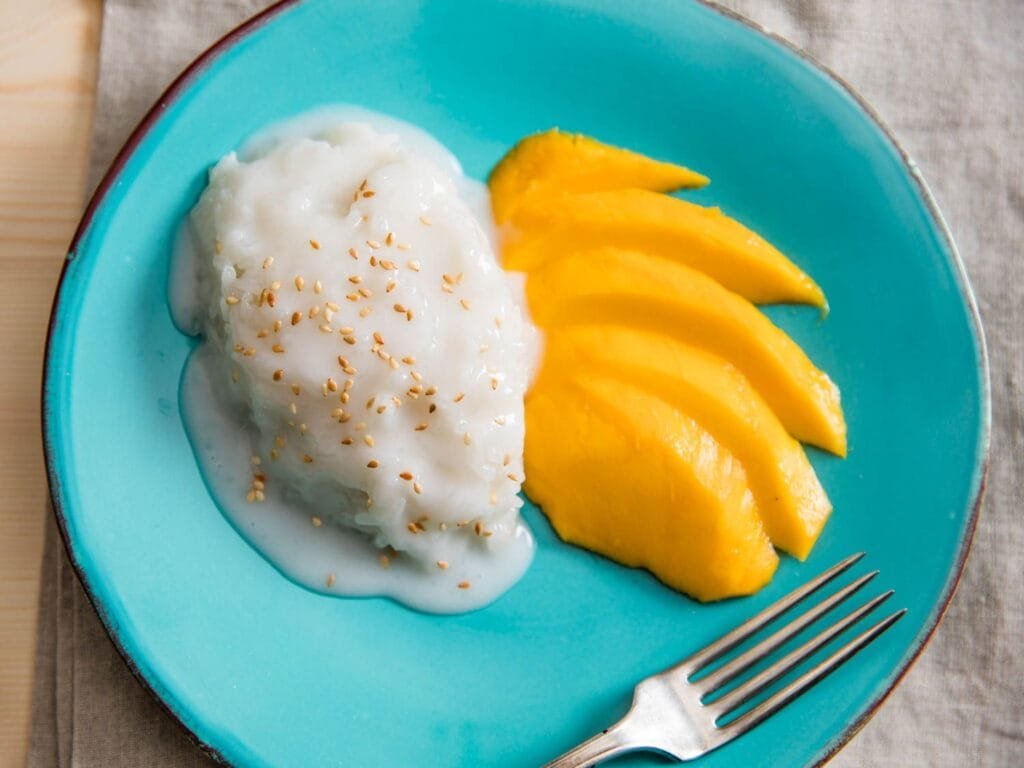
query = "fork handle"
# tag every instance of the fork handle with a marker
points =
(607, 744)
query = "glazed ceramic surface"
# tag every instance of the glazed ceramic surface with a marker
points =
(264, 672)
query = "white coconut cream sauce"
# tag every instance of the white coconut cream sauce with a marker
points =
(356, 403)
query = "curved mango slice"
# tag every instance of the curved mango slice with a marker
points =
(631, 288)
(628, 476)
(790, 500)
(699, 237)
(558, 162)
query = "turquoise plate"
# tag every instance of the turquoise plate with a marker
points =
(263, 672)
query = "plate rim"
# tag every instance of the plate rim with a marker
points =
(202, 62)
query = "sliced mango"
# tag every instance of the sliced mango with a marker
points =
(699, 237)
(626, 475)
(790, 500)
(626, 287)
(556, 162)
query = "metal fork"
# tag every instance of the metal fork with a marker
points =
(669, 714)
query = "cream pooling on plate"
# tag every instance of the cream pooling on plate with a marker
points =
(365, 330)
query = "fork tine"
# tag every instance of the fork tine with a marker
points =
(778, 700)
(751, 687)
(730, 640)
(728, 671)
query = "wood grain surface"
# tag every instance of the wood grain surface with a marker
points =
(47, 83)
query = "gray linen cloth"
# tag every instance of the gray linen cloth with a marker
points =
(948, 76)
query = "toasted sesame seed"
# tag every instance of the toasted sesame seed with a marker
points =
(365, 311)
(330, 579)
(404, 247)
(318, 286)
(352, 253)
(500, 421)
(276, 285)
(326, 328)
(421, 426)
(513, 477)
(431, 391)
(232, 300)
(296, 318)
(296, 390)
(278, 374)
(465, 303)
(417, 488)
(494, 383)
(277, 348)
(218, 246)
(413, 528)
(293, 408)
(346, 330)
(299, 282)
(406, 475)
(352, 296)
(271, 298)
(409, 360)
(408, 316)
(277, 325)
(373, 260)
(366, 293)
(432, 408)
(314, 311)
(381, 408)
(346, 441)
(458, 397)
(484, 348)
(399, 308)
(315, 244)
(478, 529)
(250, 496)
(396, 401)
(369, 193)
(506, 460)
(417, 376)
(350, 339)
(368, 439)
(373, 244)
(373, 463)
(332, 306)
(370, 402)
(425, 221)
(344, 397)
(355, 279)
(390, 239)
(262, 334)
(307, 459)
(447, 288)
(267, 262)
(260, 496)
(332, 385)
(442, 564)
(466, 438)
(316, 521)
(390, 286)
(393, 362)
(449, 279)
(464, 585)
(388, 264)
(494, 497)
(377, 337)
(249, 352)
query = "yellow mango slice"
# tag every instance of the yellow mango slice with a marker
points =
(558, 162)
(626, 475)
(630, 288)
(699, 237)
(790, 500)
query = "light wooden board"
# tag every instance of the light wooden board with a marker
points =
(47, 84)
